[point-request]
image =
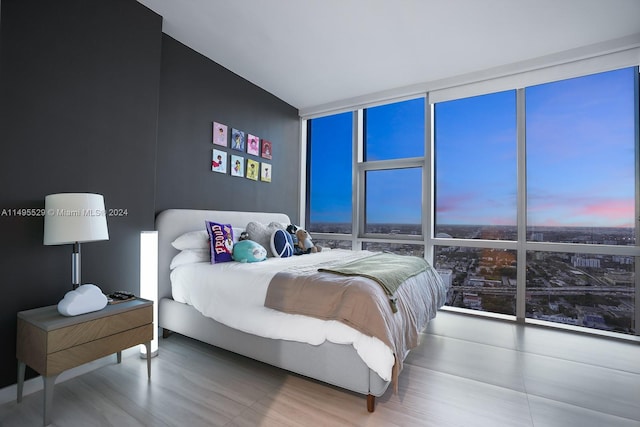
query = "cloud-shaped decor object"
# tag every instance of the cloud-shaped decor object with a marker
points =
(84, 299)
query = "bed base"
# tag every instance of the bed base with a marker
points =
(371, 399)
(336, 364)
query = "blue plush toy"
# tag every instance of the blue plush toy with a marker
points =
(249, 251)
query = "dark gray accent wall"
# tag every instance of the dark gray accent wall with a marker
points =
(78, 113)
(94, 98)
(194, 92)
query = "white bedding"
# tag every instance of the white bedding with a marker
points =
(223, 293)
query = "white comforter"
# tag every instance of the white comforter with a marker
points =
(233, 293)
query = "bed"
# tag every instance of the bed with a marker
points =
(330, 351)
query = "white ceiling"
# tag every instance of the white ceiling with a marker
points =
(311, 53)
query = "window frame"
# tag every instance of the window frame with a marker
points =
(386, 165)
(362, 166)
(522, 246)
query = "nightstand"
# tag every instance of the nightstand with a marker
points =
(51, 343)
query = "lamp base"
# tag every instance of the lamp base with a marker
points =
(75, 266)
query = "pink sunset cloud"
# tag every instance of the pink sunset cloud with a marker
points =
(618, 212)
(454, 204)
(582, 212)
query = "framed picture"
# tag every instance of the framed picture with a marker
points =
(237, 165)
(253, 145)
(265, 172)
(252, 169)
(219, 134)
(219, 161)
(237, 140)
(266, 149)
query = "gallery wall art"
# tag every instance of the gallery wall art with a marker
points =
(219, 134)
(219, 161)
(242, 142)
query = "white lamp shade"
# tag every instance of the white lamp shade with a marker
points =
(74, 217)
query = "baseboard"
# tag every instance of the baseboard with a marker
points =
(33, 385)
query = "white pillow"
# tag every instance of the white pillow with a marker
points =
(192, 240)
(237, 231)
(190, 256)
(199, 239)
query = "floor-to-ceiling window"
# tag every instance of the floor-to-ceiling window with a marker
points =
(391, 176)
(329, 182)
(475, 146)
(581, 195)
(526, 200)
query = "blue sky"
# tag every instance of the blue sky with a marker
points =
(580, 144)
(331, 153)
(475, 145)
(580, 157)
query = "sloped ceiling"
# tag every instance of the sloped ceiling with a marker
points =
(311, 53)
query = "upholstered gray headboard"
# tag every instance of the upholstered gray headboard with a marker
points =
(175, 222)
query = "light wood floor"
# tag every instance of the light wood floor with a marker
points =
(468, 371)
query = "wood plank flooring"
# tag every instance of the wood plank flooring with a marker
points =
(468, 371)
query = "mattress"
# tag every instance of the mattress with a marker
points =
(233, 294)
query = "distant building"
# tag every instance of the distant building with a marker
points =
(627, 260)
(536, 236)
(472, 300)
(593, 320)
(619, 278)
(557, 319)
(447, 276)
(476, 282)
(578, 261)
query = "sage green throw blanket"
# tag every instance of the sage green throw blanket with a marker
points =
(388, 270)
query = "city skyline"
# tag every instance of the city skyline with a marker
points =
(623, 235)
(593, 290)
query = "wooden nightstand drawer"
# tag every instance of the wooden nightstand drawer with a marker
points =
(74, 335)
(74, 356)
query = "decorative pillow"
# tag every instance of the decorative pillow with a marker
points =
(221, 241)
(190, 256)
(249, 251)
(237, 231)
(261, 233)
(281, 244)
(192, 240)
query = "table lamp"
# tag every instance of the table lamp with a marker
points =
(74, 218)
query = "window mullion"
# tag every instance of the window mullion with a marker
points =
(428, 204)
(521, 280)
(357, 182)
(636, 87)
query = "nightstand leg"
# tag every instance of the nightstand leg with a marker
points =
(119, 356)
(21, 368)
(148, 346)
(49, 382)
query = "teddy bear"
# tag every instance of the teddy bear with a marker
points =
(302, 242)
